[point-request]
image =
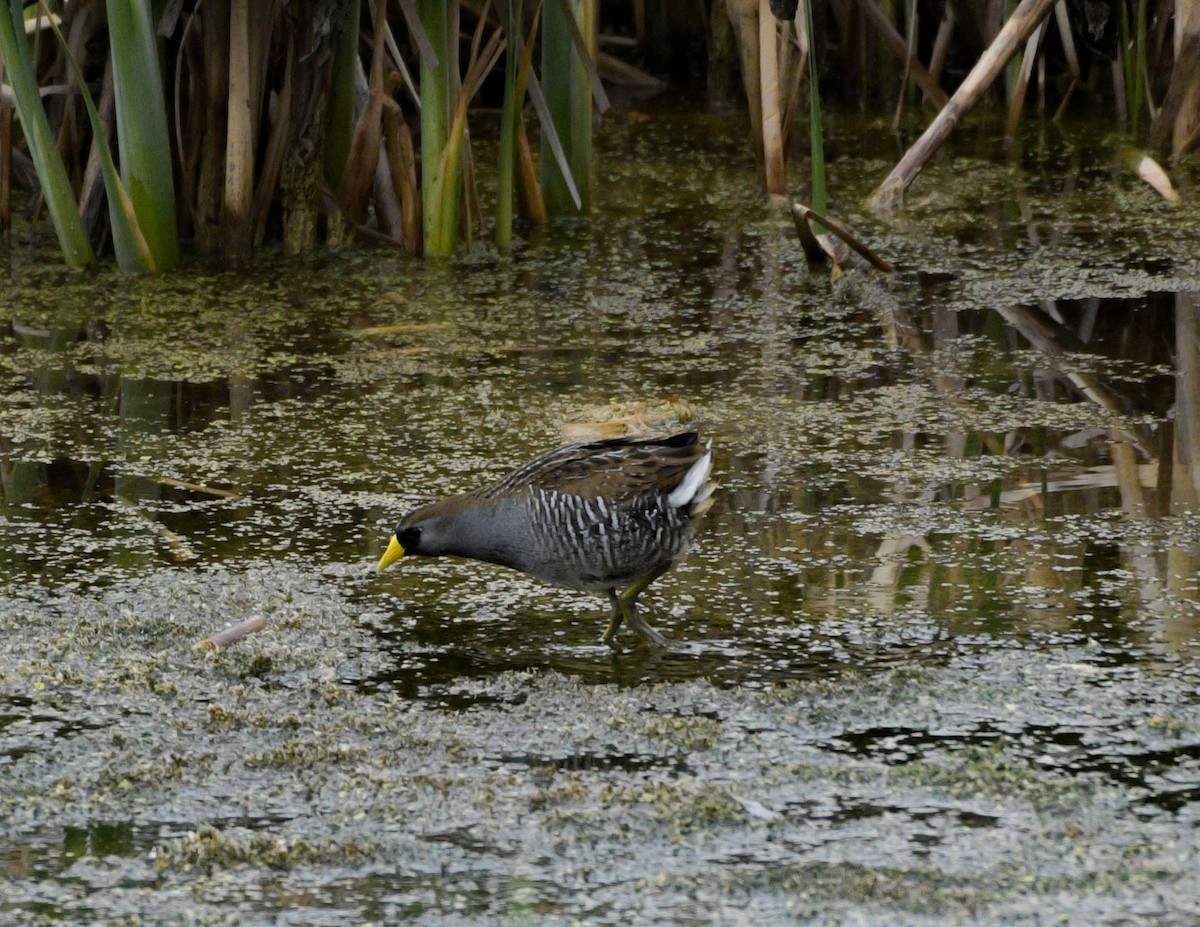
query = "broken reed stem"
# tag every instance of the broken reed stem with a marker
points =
(802, 213)
(1014, 33)
(227, 637)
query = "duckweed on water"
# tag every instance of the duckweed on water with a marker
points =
(210, 850)
(235, 750)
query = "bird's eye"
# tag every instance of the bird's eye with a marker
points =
(409, 538)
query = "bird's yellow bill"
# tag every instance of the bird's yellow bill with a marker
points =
(394, 552)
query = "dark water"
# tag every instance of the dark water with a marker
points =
(972, 474)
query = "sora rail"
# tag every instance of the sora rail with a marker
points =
(604, 516)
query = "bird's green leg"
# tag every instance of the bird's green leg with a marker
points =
(628, 599)
(618, 615)
(630, 593)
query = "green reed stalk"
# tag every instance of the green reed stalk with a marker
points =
(568, 97)
(450, 167)
(581, 104)
(514, 97)
(43, 149)
(439, 196)
(142, 132)
(1137, 93)
(816, 130)
(129, 242)
(339, 125)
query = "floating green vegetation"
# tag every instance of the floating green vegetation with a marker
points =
(681, 808)
(210, 850)
(993, 774)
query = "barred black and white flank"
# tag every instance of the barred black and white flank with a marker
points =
(605, 516)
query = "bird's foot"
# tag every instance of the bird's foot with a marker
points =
(625, 610)
(644, 629)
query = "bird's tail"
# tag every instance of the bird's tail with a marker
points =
(695, 490)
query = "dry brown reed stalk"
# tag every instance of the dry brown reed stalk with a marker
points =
(239, 141)
(1024, 20)
(1177, 124)
(899, 46)
(358, 177)
(1017, 103)
(771, 75)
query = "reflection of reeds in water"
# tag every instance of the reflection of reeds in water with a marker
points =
(1014, 541)
(1185, 470)
(33, 472)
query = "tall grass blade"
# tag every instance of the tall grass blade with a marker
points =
(52, 173)
(1133, 60)
(142, 132)
(568, 107)
(439, 196)
(816, 130)
(339, 124)
(129, 242)
(510, 17)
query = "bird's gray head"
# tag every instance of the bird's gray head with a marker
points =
(430, 531)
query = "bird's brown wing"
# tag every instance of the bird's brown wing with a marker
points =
(616, 470)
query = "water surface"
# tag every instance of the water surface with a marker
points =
(937, 638)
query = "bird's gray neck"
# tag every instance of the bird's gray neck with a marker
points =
(493, 531)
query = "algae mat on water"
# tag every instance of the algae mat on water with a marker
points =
(161, 783)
